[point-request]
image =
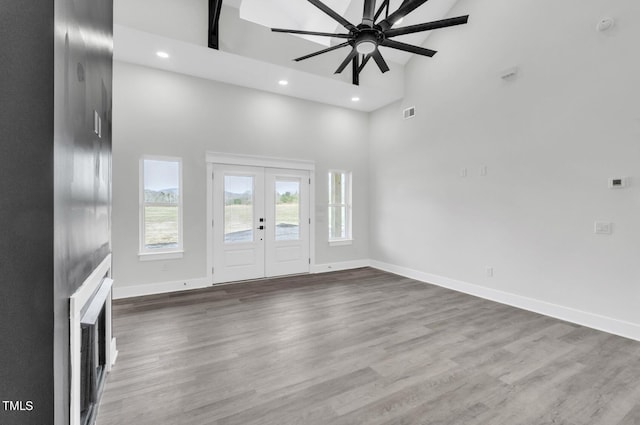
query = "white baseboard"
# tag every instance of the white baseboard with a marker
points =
(591, 320)
(120, 292)
(343, 265)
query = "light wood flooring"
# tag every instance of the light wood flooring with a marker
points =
(360, 347)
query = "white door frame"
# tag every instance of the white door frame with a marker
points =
(257, 161)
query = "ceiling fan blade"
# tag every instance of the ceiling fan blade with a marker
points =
(407, 7)
(382, 64)
(364, 62)
(322, 34)
(369, 12)
(326, 9)
(383, 6)
(346, 62)
(355, 70)
(408, 48)
(444, 23)
(332, 48)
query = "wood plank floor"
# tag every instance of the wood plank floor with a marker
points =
(360, 347)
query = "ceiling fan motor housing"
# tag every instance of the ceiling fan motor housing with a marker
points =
(367, 40)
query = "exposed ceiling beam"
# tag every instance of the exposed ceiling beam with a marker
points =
(214, 17)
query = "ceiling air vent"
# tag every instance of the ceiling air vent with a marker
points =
(409, 112)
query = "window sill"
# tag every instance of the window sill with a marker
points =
(159, 256)
(341, 242)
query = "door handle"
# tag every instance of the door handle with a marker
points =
(261, 228)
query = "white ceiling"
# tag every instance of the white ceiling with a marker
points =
(139, 47)
(140, 31)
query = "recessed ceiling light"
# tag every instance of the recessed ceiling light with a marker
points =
(355, 99)
(283, 82)
(163, 55)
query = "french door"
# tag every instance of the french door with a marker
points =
(260, 222)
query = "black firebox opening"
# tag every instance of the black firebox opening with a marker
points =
(93, 364)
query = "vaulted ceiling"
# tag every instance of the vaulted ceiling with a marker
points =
(251, 55)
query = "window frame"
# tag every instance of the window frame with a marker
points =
(348, 204)
(146, 254)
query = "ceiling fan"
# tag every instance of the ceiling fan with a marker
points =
(365, 38)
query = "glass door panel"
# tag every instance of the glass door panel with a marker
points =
(287, 214)
(238, 208)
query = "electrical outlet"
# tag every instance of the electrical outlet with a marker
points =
(603, 228)
(489, 271)
(618, 182)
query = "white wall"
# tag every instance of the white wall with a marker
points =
(550, 140)
(162, 113)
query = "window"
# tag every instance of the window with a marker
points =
(160, 208)
(339, 207)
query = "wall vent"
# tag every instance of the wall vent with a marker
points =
(409, 113)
